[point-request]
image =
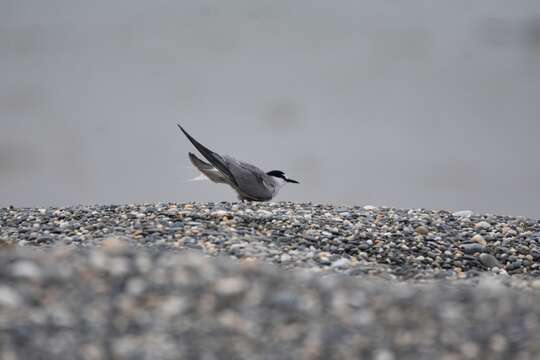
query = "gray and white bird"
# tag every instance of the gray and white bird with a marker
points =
(250, 182)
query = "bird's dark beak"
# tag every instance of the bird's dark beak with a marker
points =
(292, 181)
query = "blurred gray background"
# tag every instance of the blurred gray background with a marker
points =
(398, 103)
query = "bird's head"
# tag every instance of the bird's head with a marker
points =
(281, 175)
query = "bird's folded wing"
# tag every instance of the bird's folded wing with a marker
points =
(250, 179)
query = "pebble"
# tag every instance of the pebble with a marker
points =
(422, 230)
(383, 354)
(498, 343)
(535, 284)
(285, 258)
(508, 231)
(264, 213)
(341, 263)
(463, 213)
(9, 297)
(470, 350)
(114, 245)
(471, 248)
(514, 265)
(324, 258)
(479, 239)
(219, 213)
(230, 286)
(489, 261)
(25, 269)
(482, 225)
(118, 266)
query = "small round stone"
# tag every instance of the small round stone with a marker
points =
(463, 213)
(25, 269)
(489, 261)
(9, 297)
(482, 225)
(421, 230)
(230, 286)
(471, 248)
(479, 239)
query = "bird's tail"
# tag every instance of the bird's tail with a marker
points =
(200, 177)
(208, 171)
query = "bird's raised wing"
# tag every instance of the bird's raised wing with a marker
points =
(213, 158)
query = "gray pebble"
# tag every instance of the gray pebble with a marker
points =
(471, 248)
(489, 261)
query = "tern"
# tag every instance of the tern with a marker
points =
(249, 182)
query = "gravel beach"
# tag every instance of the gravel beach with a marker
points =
(267, 281)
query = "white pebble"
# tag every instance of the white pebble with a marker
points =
(118, 266)
(341, 263)
(482, 225)
(479, 239)
(173, 306)
(9, 297)
(463, 213)
(230, 286)
(384, 354)
(25, 269)
(535, 284)
(264, 213)
(285, 258)
(219, 213)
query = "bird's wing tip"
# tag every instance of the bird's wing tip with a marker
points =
(184, 131)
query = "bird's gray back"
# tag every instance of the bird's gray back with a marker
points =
(252, 181)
